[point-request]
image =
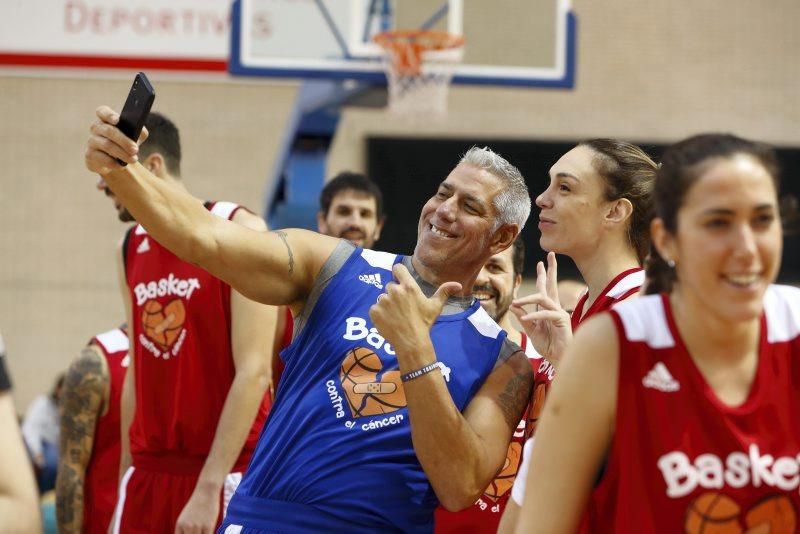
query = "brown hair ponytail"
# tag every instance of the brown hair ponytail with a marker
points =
(629, 173)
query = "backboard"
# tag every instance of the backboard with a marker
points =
(512, 42)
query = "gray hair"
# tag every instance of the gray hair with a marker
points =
(513, 203)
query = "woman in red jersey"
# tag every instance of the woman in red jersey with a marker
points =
(687, 398)
(597, 211)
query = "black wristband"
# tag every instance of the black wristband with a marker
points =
(419, 372)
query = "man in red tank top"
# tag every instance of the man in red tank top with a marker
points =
(198, 374)
(86, 488)
(350, 207)
(496, 287)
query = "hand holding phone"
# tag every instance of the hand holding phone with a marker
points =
(137, 107)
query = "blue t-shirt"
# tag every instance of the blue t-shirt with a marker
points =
(336, 453)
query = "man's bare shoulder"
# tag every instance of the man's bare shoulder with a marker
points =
(248, 219)
(325, 244)
(517, 391)
(510, 383)
(87, 368)
(85, 387)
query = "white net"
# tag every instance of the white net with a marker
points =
(419, 67)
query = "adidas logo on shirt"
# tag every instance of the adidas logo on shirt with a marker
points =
(660, 378)
(144, 246)
(372, 279)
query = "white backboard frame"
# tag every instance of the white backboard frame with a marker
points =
(349, 17)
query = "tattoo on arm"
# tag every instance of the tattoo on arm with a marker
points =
(82, 401)
(69, 492)
(282, 235)
(517, 393)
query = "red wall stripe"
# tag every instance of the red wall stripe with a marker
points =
(181, 64)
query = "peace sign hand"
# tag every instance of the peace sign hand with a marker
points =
(548, 325)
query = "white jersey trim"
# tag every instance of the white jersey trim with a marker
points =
(530, 351)
(140, 230)
(123, 493)
(224, 209)
(782, 309)
(232, 482)
(484, 324)
(518, 489)
(645, 320)
(113, 341)
(380, 260)
(631, 281)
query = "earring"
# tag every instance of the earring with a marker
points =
(670, 263)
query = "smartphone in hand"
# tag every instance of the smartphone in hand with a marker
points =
(137, 107)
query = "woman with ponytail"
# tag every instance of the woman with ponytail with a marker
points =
(687, 400)
(596, 210)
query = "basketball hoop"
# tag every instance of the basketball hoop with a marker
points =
(419, 66)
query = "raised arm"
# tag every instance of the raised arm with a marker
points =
(253, 329)
(574, 433)
(476, 444)
(84, 397)
(269, 267)
(460, 454)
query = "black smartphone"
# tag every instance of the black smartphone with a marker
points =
(137, 107)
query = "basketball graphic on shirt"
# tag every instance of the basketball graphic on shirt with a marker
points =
(713, 513)
(163, 324)
(505, 478)
(535, 409)
(776, 513)
(366, 392)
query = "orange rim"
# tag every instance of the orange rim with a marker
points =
(406, 47)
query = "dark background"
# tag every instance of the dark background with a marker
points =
(408, 171)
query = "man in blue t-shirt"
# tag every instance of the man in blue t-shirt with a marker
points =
(400, 390)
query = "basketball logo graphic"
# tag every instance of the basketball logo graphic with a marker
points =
(505, 478)
(163, 324)
(713, 512)
(774, 514)
(366, 393)
(535, 411)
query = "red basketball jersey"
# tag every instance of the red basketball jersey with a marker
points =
(681, 460)
(102, 472)
(624, 285)
(183, 359)
(543, 373)
(483, 517)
